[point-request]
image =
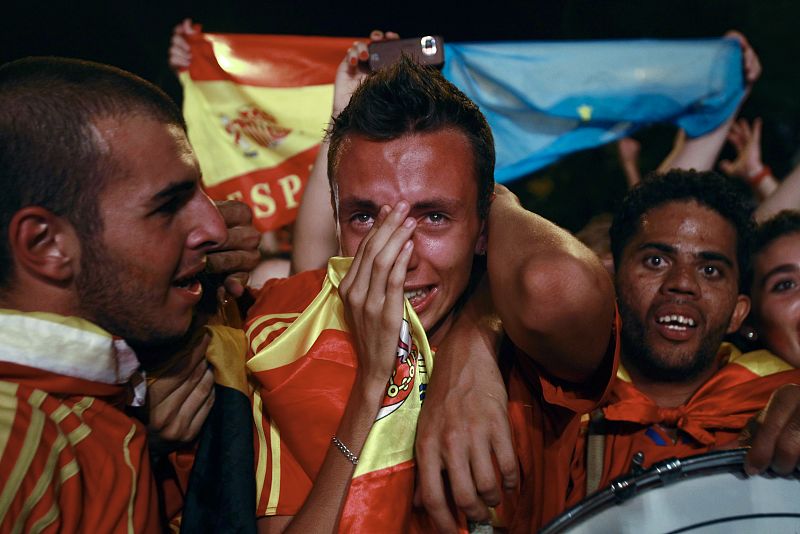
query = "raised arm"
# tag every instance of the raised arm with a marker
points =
(558, 306)
(701, 152)
(748, 166)
(786, 196)
(557, 298)
(628, 150)
(315, 237)
(180, 53)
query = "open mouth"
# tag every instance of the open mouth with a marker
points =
(418, 297)
(676, 322)
(191, 284)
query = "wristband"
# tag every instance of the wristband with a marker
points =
(347, 452)
(759, 176)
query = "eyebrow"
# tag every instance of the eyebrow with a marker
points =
(661, 247)
(442, 204)
(716, 256)
(358, 204)
(705, 254)
(363, 204)
(174, 189)
(780, 269)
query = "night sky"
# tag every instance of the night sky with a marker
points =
(135, 36)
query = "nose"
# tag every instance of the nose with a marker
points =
(681, 279)
(413, 262)
(207, 227)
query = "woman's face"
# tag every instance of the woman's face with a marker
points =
(776, 297)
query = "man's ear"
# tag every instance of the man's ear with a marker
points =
(483, 239)
(739, 313)
(43, 244)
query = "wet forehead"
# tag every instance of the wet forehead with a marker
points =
(147, 157)
(783, 251)
(687, 226)
(413, 167)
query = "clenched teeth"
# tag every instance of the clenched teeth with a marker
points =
(415, 293)
(676, 321)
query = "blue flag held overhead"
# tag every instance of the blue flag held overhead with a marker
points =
(546, 100)
(257, 105)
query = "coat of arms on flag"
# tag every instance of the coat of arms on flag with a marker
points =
(257, 107)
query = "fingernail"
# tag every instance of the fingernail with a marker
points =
(402, 205)
(409, 222)
(353, 61)
(363, 55)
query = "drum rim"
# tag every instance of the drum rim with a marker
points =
(659, 474)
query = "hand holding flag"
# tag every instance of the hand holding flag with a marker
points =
(372, 292)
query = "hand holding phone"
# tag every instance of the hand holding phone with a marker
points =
(427, 50)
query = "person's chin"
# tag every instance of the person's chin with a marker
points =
(672, 354)
(673, 362)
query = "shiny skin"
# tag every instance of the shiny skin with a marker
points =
(682, 261)
(158, 226)
(434, 173)
(776, 297)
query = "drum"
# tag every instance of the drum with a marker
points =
(707, 493)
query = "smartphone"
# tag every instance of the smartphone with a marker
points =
(428, 50)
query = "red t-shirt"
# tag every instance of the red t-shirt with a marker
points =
(545, 419)
(71, 460)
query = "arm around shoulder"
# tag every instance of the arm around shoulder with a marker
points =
(557, 298)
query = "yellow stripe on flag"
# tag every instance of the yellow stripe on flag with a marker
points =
(232, 136)
(391, 440)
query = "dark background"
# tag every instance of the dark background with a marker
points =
(135, 36)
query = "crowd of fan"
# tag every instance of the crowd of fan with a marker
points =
(145, 386)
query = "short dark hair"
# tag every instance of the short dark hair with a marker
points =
(49, 151)
(707, 188)
(411, 98)
(784, 223)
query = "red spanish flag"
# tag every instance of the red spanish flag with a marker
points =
(303, 365)
(257, 107)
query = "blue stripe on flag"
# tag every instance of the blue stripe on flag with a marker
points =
(545, 100)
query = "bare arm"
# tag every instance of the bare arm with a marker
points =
(315, 238)
(558, 299)
(464, 421)
(701, 152)
(320, 512)
(558, 307)
(786, 196)
(628, 150)
(372, 292)
(748, 166)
